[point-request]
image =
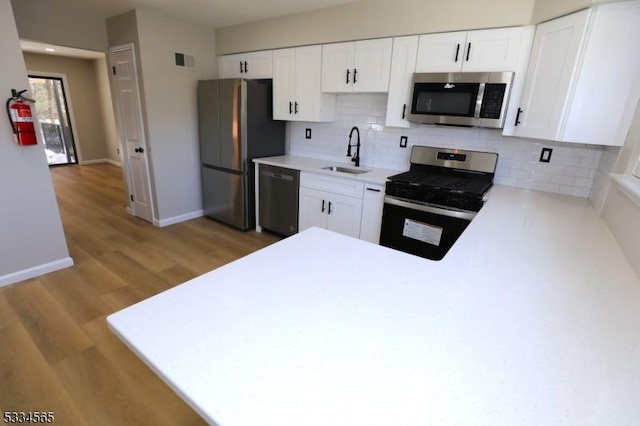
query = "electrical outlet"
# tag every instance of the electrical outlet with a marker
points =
(117, 150)
(307, 133)
(403, 141)
(545, 155)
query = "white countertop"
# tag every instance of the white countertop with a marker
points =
(375, 175)
(532, 318)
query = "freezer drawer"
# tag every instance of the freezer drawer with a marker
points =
(278, 209)
(226, 197)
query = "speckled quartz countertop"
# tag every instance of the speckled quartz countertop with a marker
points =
(532, 318)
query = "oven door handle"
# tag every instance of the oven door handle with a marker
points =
(459, 214)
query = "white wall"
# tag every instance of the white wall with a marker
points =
(169, 96)
(32, 241)
(60, 23)
(372, 19)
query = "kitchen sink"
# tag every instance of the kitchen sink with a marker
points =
(346, 170)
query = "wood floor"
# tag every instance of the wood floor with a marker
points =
(56, 352)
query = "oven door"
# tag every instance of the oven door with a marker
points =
(420, 229)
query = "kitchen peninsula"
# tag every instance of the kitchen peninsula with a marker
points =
(530, 319)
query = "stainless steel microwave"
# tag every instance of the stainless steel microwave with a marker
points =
(476, 99)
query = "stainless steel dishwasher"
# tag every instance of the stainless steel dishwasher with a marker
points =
(278, 199)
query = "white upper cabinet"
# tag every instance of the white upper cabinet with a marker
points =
(296, 86)
(403, 65)
(360, 66)
(246, 65)
(480, 50)
(583, 82)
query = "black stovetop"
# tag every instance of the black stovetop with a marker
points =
(461, 189)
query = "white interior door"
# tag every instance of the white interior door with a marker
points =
(130, 122)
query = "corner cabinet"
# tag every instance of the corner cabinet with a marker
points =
(403, 65)
(296, 86)
(583, 82)
(330, 203)
(246, 65)
(470, 51)
(360, 66)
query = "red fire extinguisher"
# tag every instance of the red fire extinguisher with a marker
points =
(21, 119)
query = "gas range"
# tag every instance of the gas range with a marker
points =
(428, 207)
(445, 177)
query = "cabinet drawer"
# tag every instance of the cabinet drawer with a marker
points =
(336, 185)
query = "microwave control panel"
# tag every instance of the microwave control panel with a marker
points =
(492, 100)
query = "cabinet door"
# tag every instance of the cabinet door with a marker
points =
(258, 64)
(284, 83)
(231, 66)
(337, 67)
(600, 113)
(312, 210)
(372, 65)
(308, 80)
(343, 214)
(492, 50)
(441, 52)
(403, 65)
(554, 56)
(372, 204)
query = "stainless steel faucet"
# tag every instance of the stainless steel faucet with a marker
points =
(356, 158)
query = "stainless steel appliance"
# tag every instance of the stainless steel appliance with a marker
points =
(236, 126)
(461, 99)
(278, 199)
(428, 207)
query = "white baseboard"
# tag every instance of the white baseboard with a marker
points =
(35, 271)
(178, 219)
(101, 160)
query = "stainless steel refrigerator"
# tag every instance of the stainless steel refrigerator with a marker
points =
(236, 125)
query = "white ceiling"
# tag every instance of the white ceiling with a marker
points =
(214, 13)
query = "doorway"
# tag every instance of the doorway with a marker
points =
(52, 113)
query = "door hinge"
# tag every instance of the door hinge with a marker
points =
(114, 70)
(131, 198)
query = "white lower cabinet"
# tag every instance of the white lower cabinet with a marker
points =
(372, 205)
(330, 203)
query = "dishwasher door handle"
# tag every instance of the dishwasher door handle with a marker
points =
(277, 176)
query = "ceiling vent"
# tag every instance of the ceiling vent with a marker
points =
(184, 61)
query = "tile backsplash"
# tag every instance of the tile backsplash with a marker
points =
(571, 170)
